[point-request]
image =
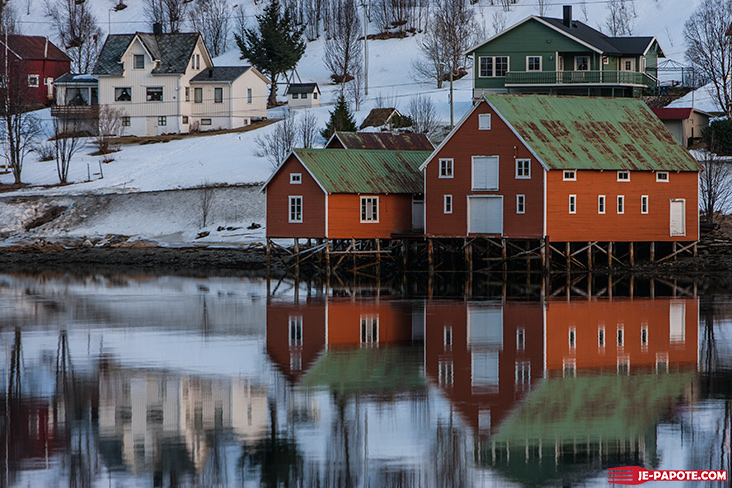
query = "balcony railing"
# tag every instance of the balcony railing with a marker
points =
(529, 78)
(76, 111)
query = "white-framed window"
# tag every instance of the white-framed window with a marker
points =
(369, 329)
(295, 338)
(188, 94)
(249, 95)
(501, 65)
(304, 96)
(447, 204)
(369, 209)
(162, 121)
(295, 209)
(184, 119)
(123, 94)
(620, 336)
(601, 204)
(484, 122)
(601, 337)
(295, 96)
(446, 168)
(572, 338)
(644, 335)
(533, 63)
(34, 80)
(605, 60)
(573, 204)
(569, 175)
(138, 61)
(154, 94)
(581, 63)
(197, 61)
(520, 204)
(198, 95)
(520, 339)
(218, 95)
(662, 176)
(523, 169)
(315, 95)
(621, 204)
(623, 175)
(490, 66)
(205, 121)
(644, 204)
(125, 121)
(295, 178)
(48, 81)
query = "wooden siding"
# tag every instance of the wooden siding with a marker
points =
(466, 142)
(587, 225)
(344, 216)
(278, 204)
(629, 314)
(344, 322)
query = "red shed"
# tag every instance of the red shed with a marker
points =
(344, 194)
(35, 62)
(566, 169)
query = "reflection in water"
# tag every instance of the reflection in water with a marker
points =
(165, 381)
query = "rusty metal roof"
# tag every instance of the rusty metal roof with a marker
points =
(593, 133)
(365, 171)
(385, 141)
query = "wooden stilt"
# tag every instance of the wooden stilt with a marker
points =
(653, 251)
(327, 257)
(504, 254)
(674, 249)
(653, 288)
(589, 257)
(269, 255)
(353, 248)
(568, 257)
(546, 255)
(430, 257)
(695, 250)
(405, 252)
(469, 256)
(297, 256)
(632, 286)
(610, 255)
(632, 255)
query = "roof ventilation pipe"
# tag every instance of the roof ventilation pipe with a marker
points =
(567, 18)
(158, 28)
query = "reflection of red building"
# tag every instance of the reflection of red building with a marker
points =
(31, 427)
(484, 356)
(621, 334)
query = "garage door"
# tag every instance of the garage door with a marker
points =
(485, 215)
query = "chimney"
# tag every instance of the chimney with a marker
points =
(567, 15)
(158, 28)
(210, 73)
(45, 49)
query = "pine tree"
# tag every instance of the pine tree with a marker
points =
(275, 47)
(341, 120)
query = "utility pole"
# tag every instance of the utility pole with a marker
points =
(452, 119)
(365, 51)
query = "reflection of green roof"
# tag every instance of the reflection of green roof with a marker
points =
(369, 371)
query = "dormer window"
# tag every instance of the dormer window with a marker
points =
(623, 175)
(139, 61)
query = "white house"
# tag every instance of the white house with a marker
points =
(303, 95)
(167, 83)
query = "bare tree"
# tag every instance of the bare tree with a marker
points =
(211, 19)
(715, 185)
(541, 6)
(240, 20)
(343, 51)
(8, 19)
(393, 13)
(67, 141)
(205, 203)
(620, 17)
(278, 143)
(708, 48)
(423, 114)
(170, 14)
(583, 9)
(110, 126)
(355, 89)
(307, 128)
(498, 22)
(78, 31)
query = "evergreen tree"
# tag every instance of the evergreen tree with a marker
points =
(341, 120)
(275, 47)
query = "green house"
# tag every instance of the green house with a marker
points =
(564, 57)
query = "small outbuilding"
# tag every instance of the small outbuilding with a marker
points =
(385, 119)
(686, 124)
(379, 140)
(303, 95)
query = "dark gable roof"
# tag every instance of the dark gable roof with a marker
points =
(34, 47)
(171, 50)
(608, 45)
(631, 45)
(385, 141)
(302, 88)
(221, 73)
(378, 117)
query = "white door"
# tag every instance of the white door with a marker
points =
(417, 213)
(627, 64)
(151, 126)
(485, 215)
(678, 222)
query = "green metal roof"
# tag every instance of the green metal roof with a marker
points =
(365, 171)
(593, 133)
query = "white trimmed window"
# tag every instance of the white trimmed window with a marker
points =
(446, 168)
(139, 61)
(447, 204)
(249, 95)
(34, 80)
(644, 204)
(447, 336)
(490, 66)
(295, 330)
(369, 329)
(218, 95)
(623, 175)
(662, 176)
(644, 336)
(369, 209)
(484, 121)
(520, 204)
(520, 339)
(601, 337)
(573, 204)
(581, 63)
(295, 178)
(205, 121)
(295, 209)
(486, 66)
(533, 63)
(154, 94)
(569, 175)
(621, 204)
(523, 169)
(123, 94)
(601, 204)
(162, 121)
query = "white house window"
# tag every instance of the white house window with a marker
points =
(662, 176)
(445, 373)
(446, 168)
(581, 63)
(520, 204)
(33, 80)
(123, 94)
(295, 209)
(491, 66)
(139, 61)
(485, 173)
(369, 209)
(573, 204)
(533, 63)
(295, 96)
(184, 119)
(486, 66)
(621, 204)
(205, 121)
(569, 175)
(304, 96)
(188, 94)
(605, 60)
(197, 60)
(501, 65)
(249, 95)
(601, 204)
(154, 94)
(447, 204)
(295, 331)
(484, 122)
(198, 95)
(623, 175)
(315, 95)
(523, 168)
(295, 178)
(628, 65)
(125, 121)
(218, 95)
(644, 204)
(162, 121)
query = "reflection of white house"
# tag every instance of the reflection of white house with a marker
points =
(303, 95)
(167, 83)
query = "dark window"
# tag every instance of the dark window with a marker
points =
(486, 66)
(123, 94)
(139, 61)
(205, 121)
(185, 119)
(154, 94)
(501, 65)
(218, 95)
(198, 95)
(162, 121)
(125, 121)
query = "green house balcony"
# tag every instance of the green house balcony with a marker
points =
(579, 78)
